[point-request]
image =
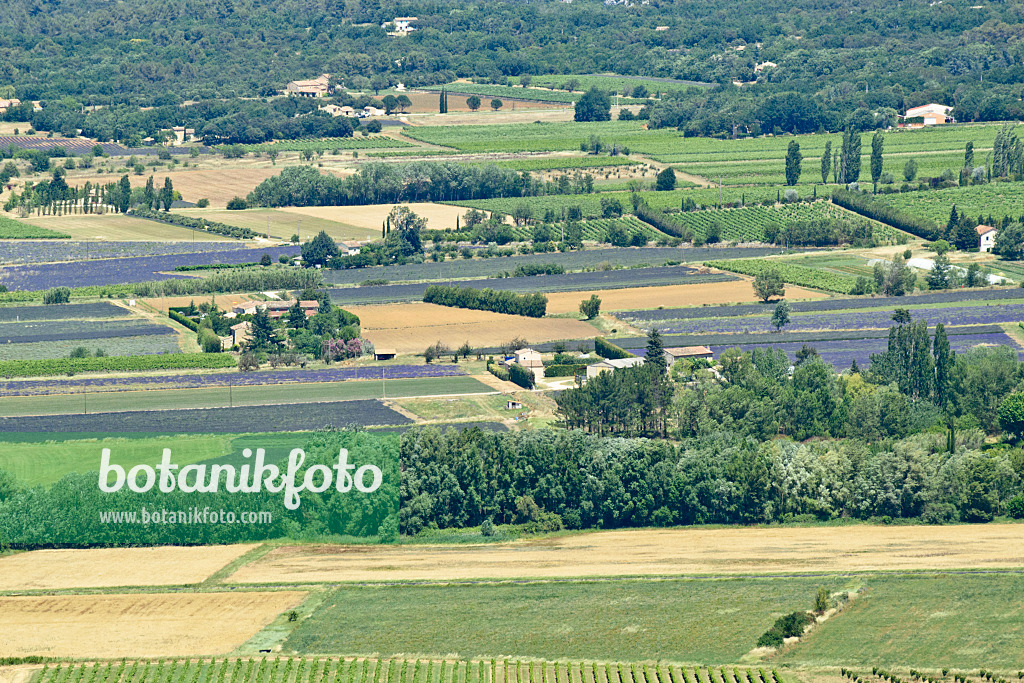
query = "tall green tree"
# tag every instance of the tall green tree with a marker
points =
(939, 275)
(826, 162)
(167, 194)
(124, 194)
(944, 360)
(149, 194)
(655, 355)
(769, 283)
(594, 105)
(850, 156)
(969, 154)
(793, 161)
(877, 148)
(780, 316)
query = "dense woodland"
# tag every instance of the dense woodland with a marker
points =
(837, 64)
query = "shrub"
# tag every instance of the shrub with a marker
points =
(203, 203)
(237, 204)
(57, 295)
(187, 322)
(564, 370)
(521, 376)
(606, 349)
(1015, 508)
(209, 341)
(789, 626)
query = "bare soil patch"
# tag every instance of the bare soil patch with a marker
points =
(427, 103)
(410, 328)
(656, 552)
(103, 567)
(372, 217)
(283, 224)
(148, 625)
(670, 296)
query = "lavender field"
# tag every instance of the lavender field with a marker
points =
(34, 251)
(117, 271)
(841, 353)
(237, 379)
(114, 346)
(853, 320)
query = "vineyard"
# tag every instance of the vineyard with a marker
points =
(748, 224)
(996, 199)
(793, 274)
(566, 163)
(327, 144)
(596, 229)
(12, 230)
(331, 670)
(499, 91)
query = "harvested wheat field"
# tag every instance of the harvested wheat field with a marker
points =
(219, 185)
(410, 328)
(140, 625)
(671, 296)
(372, 217)
(283, 224)
(656, 552)
(118, 227)
(106, 567)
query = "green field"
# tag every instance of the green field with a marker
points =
(707, 621)
(566, 163)
(12, 230)
(997, 199)
(800, 275)
(219, 397)
(279, 224)
(956, 621)
(41, 464)
(596, 229)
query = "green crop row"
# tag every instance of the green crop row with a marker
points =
(793, 274)
(556, 163)
(596, 229)
(326, 144)
(16, 230)
(70, 366)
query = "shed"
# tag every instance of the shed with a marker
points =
(513, 405)
(384, 354)
(595, 369)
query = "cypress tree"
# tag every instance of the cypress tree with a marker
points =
(793, 161)
(826, 162)
(943, 365)
(655, 354)
(877, 146)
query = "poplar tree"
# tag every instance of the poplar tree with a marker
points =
(826, 162)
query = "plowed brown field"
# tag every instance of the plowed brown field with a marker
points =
(670, 296)
(410, 328)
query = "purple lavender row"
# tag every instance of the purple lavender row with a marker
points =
(119, 271)
(857, 320)
(841, 353)
(58, 386)
(36, 251)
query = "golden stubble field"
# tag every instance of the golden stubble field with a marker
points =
(669, 296)
(412, 327)
(118, 227)
(371, 217)
(668, 552)
(139, 625)
(105, 567)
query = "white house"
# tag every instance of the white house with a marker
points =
(402, 26)
(595, 369)
(528, 358)
(932, 114)
(764, 65)
(349, 248)
(986, 237)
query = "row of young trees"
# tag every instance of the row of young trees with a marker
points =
(55, 196)
(498, 301)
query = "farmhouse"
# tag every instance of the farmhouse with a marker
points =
(986, 237)
(349, 248)
(318, 87)
(595, 369)
(241, 333)
(5, 104)
(183, 135)
(277, 309)
(680, 352)
(372, 111)
(927, 115)
(764, 65)
(528, 358)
